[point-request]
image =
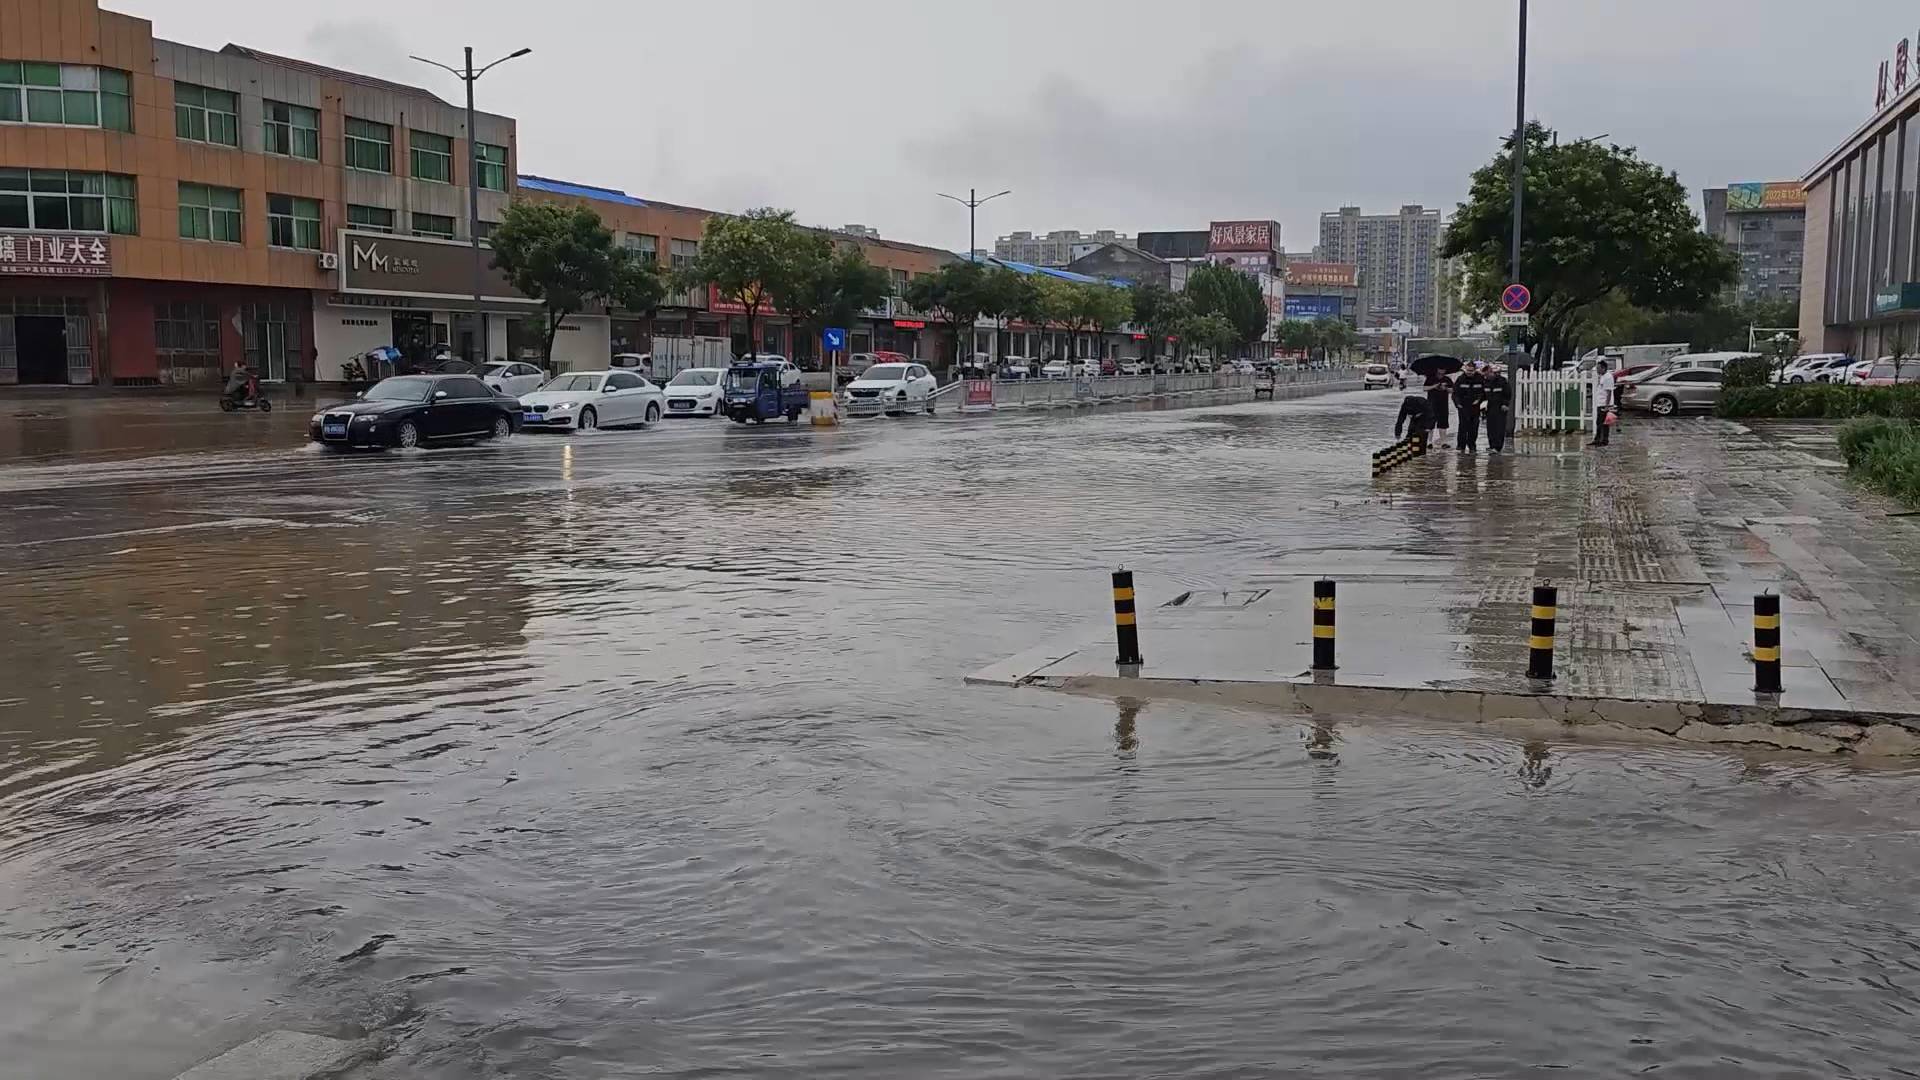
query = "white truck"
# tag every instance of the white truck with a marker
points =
(673, 355)
(1626, 356)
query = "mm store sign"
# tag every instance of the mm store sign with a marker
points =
(379, 264)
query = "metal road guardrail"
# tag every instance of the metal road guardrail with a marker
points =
(1047, 393)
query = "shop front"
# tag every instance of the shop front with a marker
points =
(415, 294)
(52, 297)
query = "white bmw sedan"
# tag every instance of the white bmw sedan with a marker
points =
(584, 400)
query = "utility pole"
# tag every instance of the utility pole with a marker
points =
(972, 202)
(468, 75)
(1519, 166)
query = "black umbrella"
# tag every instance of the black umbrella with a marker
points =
(1435, 364)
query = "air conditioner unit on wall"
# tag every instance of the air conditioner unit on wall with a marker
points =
(329, 260)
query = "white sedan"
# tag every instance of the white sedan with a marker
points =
(512, 379)
(585, 400)
(695, 392)
(891, 388)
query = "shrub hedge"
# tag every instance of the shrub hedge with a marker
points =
(1814, 401)
(1884, 454)
(1747, 371)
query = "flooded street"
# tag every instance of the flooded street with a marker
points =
(647, 754)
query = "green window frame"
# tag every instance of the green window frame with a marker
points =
(369, 145)
(292, 130)
(440, 225)
(432, 156)
(293, 222)
(210, 213)
(73, 95)
(68, 200)
(493, 167)
(370, 218)
(204, 114)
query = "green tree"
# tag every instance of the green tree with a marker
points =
(1296, 335)
(1211, 331)
(1065, 303)
(829, 287)
(1234, 295)
(1331, 334)
(1157, 311)
(954, 296)
(1599, 221)
(1008, 295)
(1107, 308)
(752, 259)
(564, 257)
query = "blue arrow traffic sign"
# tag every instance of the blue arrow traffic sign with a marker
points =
(833, 338)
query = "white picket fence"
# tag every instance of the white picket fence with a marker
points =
(1549, 402)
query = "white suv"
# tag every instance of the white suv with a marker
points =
(1376, 375)
(891, 388)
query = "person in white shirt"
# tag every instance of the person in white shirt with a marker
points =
(1602, 405)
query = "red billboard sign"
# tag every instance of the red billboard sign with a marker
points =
(1244, 236)
(1326, 274)
(55, 254)
(729, 306)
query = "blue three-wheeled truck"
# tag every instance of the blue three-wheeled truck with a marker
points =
(754, 392)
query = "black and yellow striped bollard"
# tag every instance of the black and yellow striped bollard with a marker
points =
(1323, 625)
(1766, 644)
(1546, 607)
(1124, 625)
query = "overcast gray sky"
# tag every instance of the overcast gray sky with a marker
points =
(1123, 114)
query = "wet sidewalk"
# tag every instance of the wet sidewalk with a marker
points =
(1657, 545)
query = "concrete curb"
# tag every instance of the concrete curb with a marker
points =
(1817, 731)
(282, 1055)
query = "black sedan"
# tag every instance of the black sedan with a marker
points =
(417, 410)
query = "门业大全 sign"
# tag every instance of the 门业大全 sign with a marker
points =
(55, 254)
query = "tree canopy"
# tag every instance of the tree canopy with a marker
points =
(753, 259)
(955, 296)
(828, 287)
(564, 257)
(1157, 312)
(1233, 295)
(1599, 222)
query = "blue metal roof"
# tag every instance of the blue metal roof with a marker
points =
(583, 191)
(1049, 271)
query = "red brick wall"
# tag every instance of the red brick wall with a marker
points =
(130, 307)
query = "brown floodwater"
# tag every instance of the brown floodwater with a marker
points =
(647, 754)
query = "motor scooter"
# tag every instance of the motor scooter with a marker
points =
(247, 397)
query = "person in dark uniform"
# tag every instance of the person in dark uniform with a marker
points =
(1416, 417)
(1438, 391)
(1469, 389)
(1499, 401)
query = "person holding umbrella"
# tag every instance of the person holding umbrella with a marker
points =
(1435, 369)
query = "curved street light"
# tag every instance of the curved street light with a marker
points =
(469, 76)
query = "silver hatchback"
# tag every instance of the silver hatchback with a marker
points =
(1669, 392)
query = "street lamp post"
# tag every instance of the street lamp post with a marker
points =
(1519, 162)
(468, 75)
(972, 203)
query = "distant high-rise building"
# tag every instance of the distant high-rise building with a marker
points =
(1766, 226)
(1398, 256)
(1057, 248)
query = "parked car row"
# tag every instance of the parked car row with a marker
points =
(498, 400)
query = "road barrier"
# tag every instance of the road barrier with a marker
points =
(1766, 643)
(1323, 625)
(1125, 624)
(1103, 389)
(1552, 402)
(1546, 609)
(1413, 446)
